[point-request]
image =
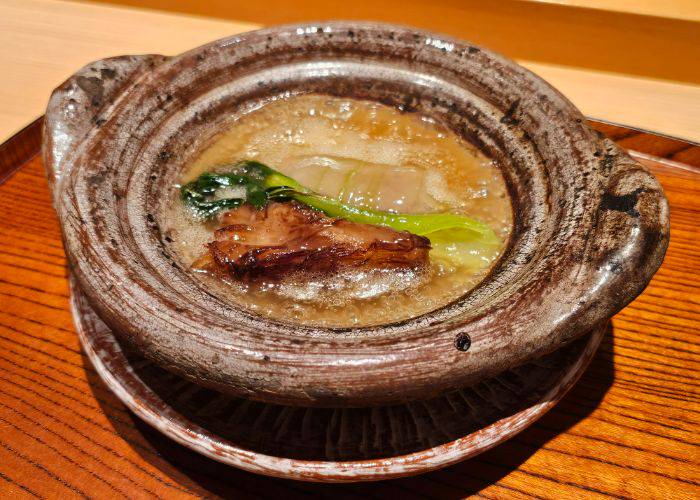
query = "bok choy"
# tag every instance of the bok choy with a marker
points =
(454, 237)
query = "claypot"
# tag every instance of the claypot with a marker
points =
(590, 224)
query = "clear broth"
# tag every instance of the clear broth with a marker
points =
(366, 154)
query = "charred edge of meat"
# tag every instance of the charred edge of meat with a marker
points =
(289, 237)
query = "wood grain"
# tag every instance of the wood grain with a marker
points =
(629, 428)
(667, 148)
(20, 148)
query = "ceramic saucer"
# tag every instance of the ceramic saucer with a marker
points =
(332, 445)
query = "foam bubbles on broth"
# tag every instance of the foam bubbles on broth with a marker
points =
(362, 153)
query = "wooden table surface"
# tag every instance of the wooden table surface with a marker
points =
(629, 428)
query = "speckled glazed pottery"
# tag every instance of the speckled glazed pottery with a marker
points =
(333, 444)
(591, 224)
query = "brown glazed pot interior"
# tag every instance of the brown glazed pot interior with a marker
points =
(591, 225)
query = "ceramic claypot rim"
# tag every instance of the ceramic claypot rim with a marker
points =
(422, 341)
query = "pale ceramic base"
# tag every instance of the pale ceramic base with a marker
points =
(332, 445)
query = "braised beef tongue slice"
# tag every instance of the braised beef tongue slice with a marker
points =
(286, 237)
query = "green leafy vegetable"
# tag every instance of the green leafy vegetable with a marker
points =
(201, 194)
(457, 238)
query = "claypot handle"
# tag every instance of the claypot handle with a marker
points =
(81, 103)
(632, 232)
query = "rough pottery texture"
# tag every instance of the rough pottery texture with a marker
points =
(333, 444)
(591, 224)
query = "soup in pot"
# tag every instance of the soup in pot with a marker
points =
(334, 212)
